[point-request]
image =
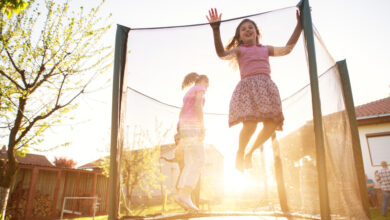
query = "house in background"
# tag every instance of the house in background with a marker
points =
(40, 189)
(373, 121)
(94, 166)
(28, 159)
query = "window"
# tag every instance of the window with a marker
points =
(379, 147)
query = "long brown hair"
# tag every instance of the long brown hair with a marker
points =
(236, 39)
(192, 78)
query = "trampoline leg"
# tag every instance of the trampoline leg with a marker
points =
(279, 175)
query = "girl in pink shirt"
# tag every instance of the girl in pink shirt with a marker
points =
(256, 97)
(191, 133)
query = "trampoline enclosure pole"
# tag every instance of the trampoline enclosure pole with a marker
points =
(356, 147)
(316, 105)
(118, 76)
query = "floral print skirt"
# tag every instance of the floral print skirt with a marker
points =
(256, 98)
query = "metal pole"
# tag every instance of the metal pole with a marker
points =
(316, 105)
(119, 67)
(279, 175)
(356, 148)
(79, 197)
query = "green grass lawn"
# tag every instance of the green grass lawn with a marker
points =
(376, 214)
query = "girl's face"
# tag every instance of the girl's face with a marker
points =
(248, 33)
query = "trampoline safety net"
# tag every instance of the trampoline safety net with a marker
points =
(157, 59)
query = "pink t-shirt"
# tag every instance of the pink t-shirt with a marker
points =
(188, 112)
(253, 60)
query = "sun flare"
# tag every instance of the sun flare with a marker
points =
(236, 181)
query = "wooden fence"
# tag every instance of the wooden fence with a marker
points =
(38, 192)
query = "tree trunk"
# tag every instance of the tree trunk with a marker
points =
(7, 179)
(4, 194)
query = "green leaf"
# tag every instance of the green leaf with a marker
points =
(54, 35)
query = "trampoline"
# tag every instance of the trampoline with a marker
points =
(311, 170)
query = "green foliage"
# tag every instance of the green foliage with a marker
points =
(140, 166)
(48, 56)
(12, 6)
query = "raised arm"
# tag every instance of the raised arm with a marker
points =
(215, 21)
(281, 51)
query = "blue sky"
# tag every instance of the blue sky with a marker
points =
(355, 30)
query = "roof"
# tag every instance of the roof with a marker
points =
(374, 112)
(31, 159)
(378, 107)
(93, 164)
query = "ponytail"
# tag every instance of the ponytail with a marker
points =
(189, 79)
(192, 78)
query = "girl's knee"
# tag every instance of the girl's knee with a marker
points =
(270, 125)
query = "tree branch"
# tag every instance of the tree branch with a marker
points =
(37, 83)
(60, 89)
(41, 117)
(10, 79)
(38, 118)
(41, 69)
(21, 72)
(13, 103)
(17, 124)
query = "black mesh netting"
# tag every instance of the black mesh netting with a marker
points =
(157, 61)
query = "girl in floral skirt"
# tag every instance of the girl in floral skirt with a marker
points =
(256, 97)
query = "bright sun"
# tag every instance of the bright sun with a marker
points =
(236, 181)
(225, 139)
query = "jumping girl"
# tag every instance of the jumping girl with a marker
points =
(256, 97)
(191, 133)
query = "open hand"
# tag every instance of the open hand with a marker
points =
(213, 16)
